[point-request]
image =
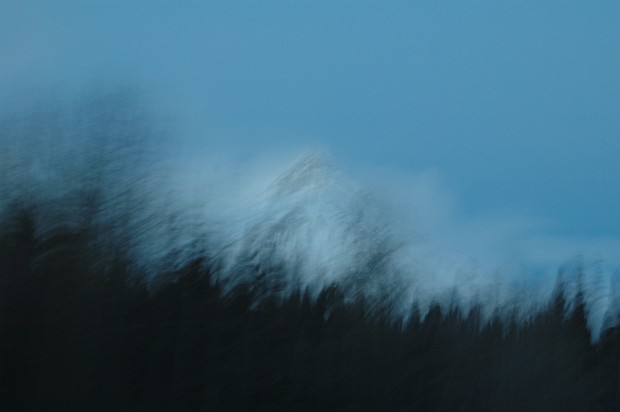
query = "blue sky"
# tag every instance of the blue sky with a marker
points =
(506, 113)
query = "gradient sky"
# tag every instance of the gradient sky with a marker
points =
(513, 106)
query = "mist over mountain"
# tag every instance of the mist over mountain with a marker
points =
(295, 286)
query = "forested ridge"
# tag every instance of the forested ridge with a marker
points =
(86, 325)
(75, 338)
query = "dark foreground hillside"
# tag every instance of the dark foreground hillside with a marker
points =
(76, 335)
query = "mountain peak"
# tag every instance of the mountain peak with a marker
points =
(309, 172)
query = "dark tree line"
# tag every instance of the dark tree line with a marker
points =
(73, 338)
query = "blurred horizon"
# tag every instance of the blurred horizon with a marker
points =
(492, 127)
